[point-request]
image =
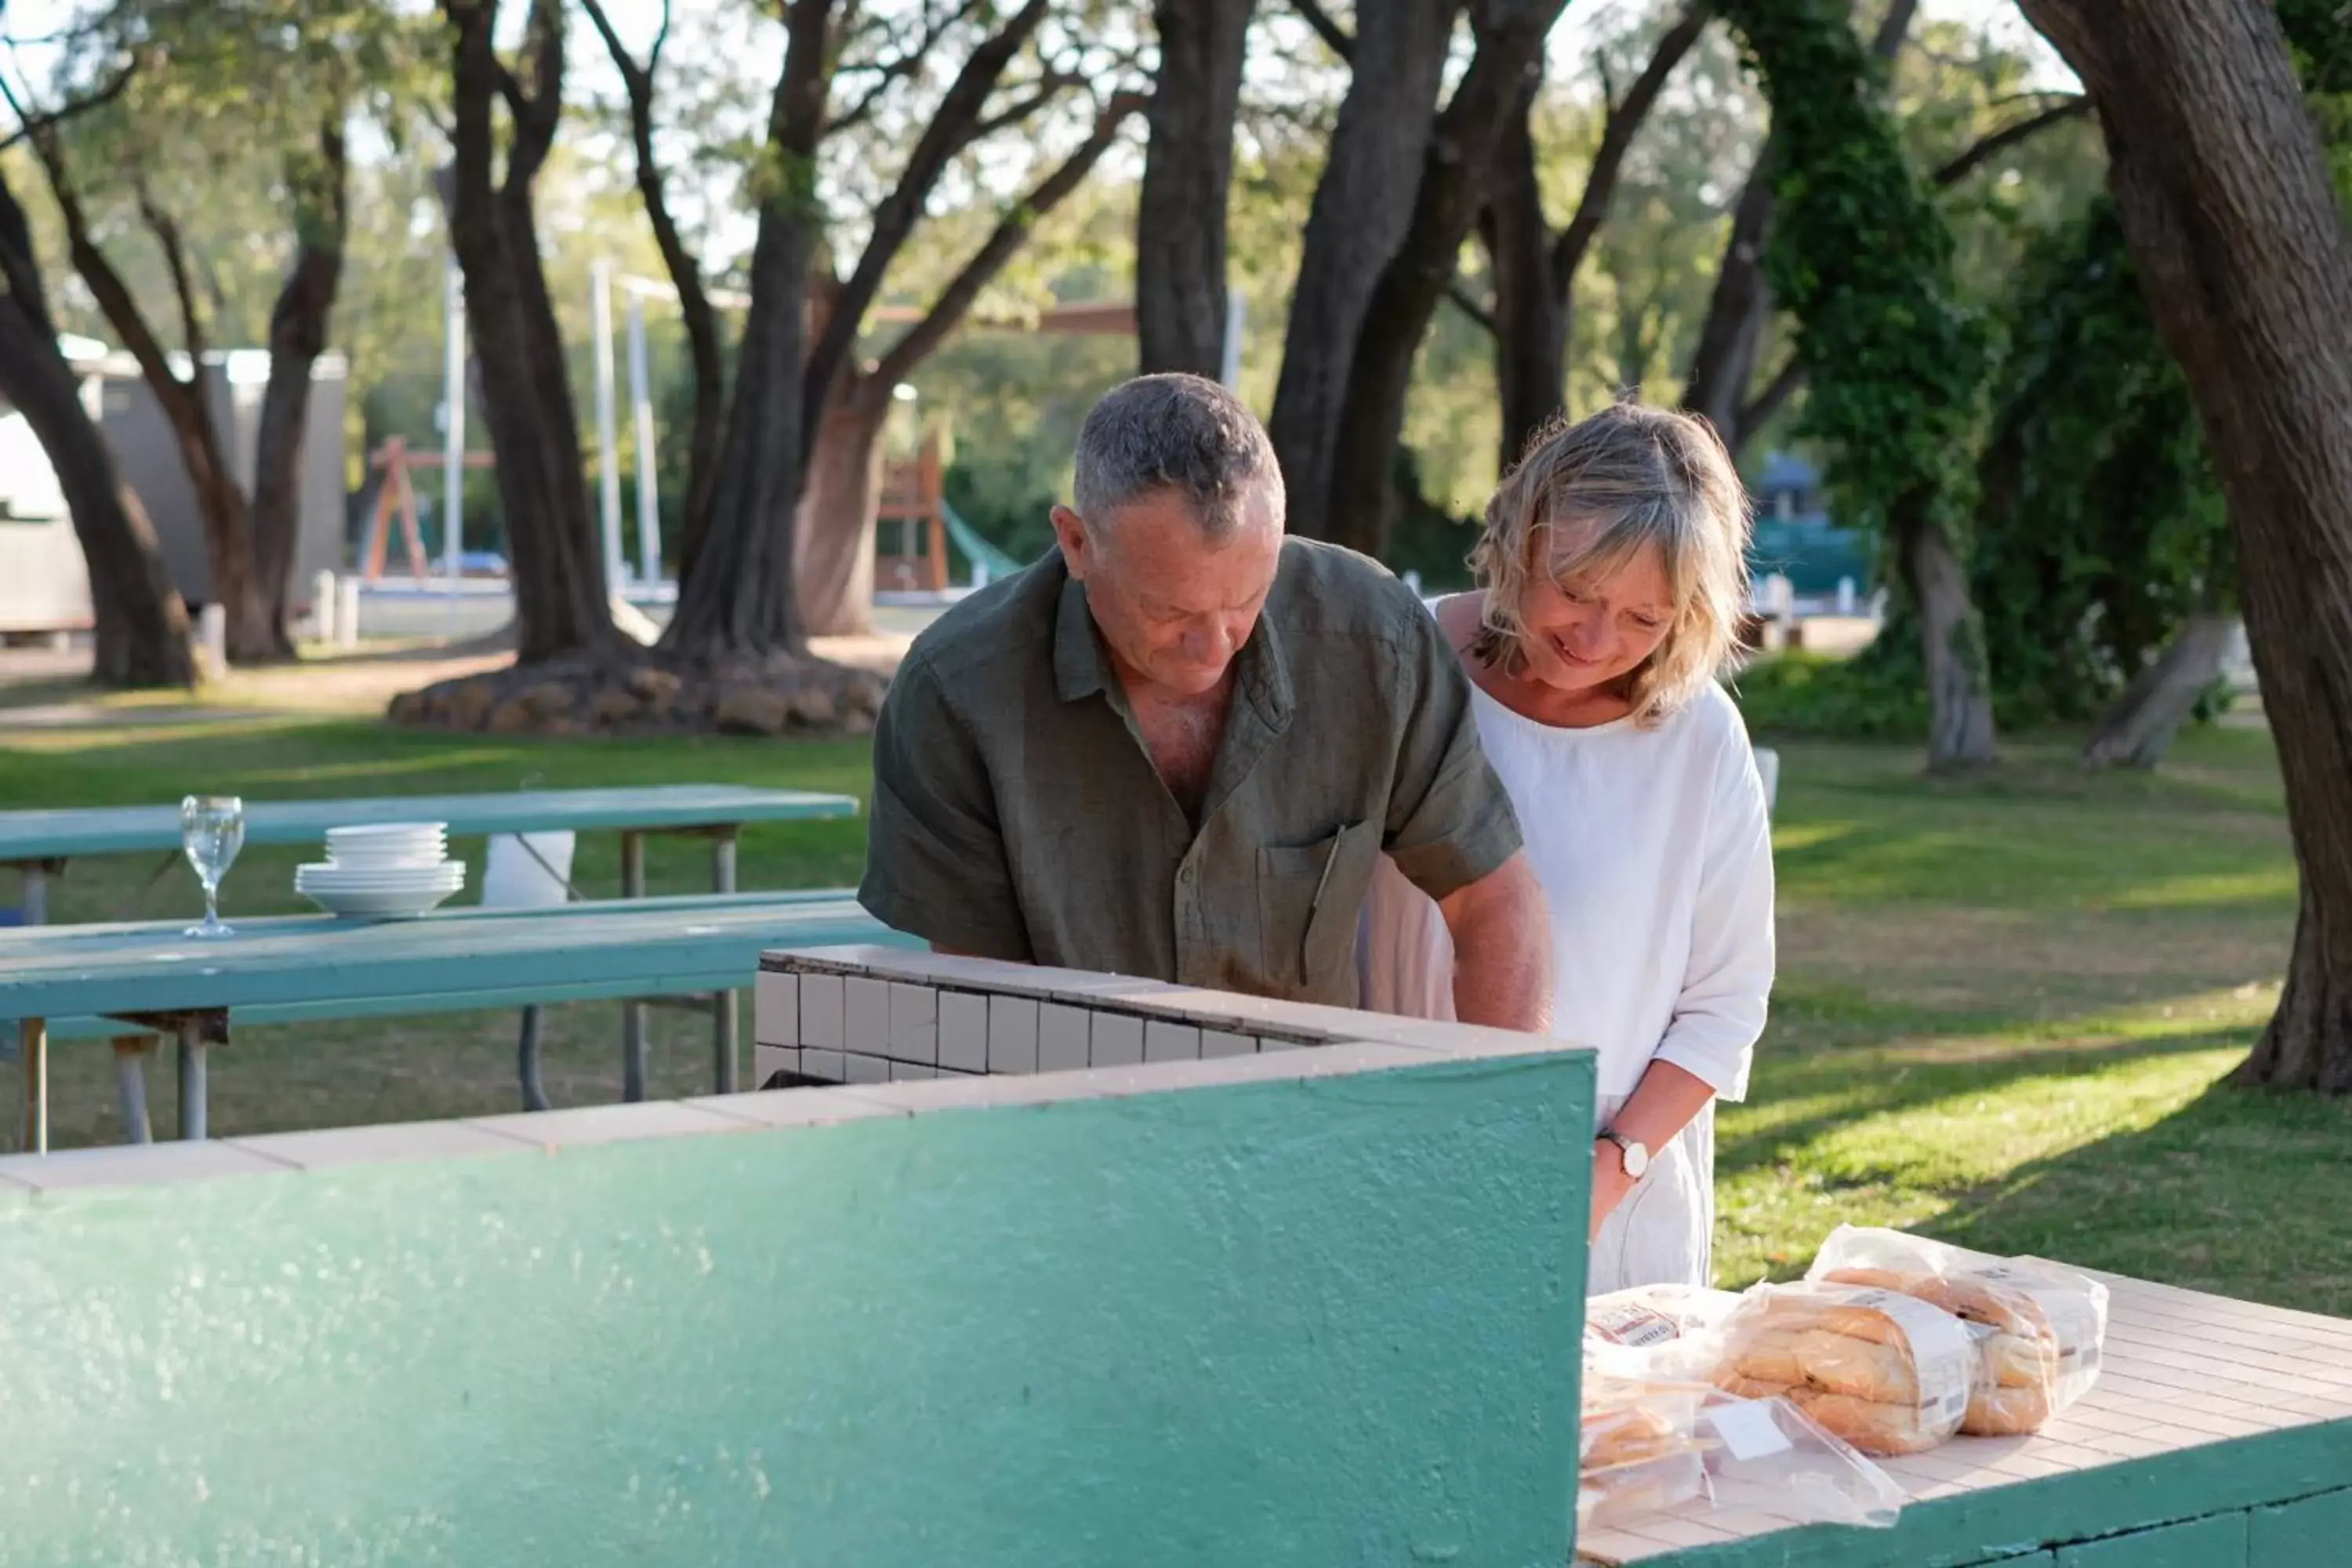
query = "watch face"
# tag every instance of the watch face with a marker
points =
(1637, 1159)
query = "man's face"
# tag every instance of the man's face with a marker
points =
(1174, 608)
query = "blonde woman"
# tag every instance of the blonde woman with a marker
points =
(1611, 576)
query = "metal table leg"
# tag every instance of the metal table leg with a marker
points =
(722, 1004)
(34, 877)
(33, 1040)
(534, 1089)
(633, 1014)
(130, 1086)
(192, 1099)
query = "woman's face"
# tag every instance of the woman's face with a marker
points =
(1595, 628)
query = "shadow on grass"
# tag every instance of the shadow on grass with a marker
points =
(2242, 1193)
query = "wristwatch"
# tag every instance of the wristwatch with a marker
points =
(1632, 1156)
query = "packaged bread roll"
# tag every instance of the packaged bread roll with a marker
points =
(2039, 1326)
(1638, 1449)
(1886, 1371)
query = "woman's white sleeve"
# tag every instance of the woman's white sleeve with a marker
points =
(1720, 1012)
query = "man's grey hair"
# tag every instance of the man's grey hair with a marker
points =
(1182, 432)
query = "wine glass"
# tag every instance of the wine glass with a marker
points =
(212, 830)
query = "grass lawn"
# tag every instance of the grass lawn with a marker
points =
(2005, 1011)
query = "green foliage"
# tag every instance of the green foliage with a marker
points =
(1880, 694)
(1862, 258)
(2101, 525)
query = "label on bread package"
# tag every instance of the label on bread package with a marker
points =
(1630, 1323)
(1943, 1355)
(2073, 1316)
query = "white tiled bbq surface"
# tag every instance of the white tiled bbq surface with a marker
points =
(2180, 1370)
(875, 1014)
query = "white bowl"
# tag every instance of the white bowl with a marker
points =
(391, 905)
(445, 873)
(373, 830)
(374, 860)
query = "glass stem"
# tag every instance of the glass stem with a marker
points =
(212, 904)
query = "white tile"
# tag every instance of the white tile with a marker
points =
(825, 1065)
(1011, 1090)
(1062, 1034)
(821, 1012)
(1012, 1034)
(866, 1014)
(1219, 1043)
(911, 1072)
(862, 1069)
(1278, 1043)
(138, 1164)
(776, 1009)
(793, 1107)
(963, 1031)
(1166, 1042)
(767, 1062)
(914, 1023)
(327, 1147)
(584, 1124)
(1116, 1040)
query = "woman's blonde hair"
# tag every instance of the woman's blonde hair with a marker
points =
(1584, 498)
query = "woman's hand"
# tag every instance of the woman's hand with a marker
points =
(1610, 1182)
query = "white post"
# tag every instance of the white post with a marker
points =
(212, 640)
(1846, 596)
(641, 400)
(1236, 315)
(322, 607)
(608, 460)
(347, 612)
(453, 434)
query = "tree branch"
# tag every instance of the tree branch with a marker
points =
(1049, 87)
(1335, 37)
(951, 129)
(1892, 29)
(896, 69)
(1463, 302)
(166, 231)
(1768, 402)
(1012, 231)
(1617, 133)
(29, 125)
(1992, 145)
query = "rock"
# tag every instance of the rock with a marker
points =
(550, 698)
(512, 717)
(650, 685)
(753, 711)
(857, 724)
(614, 705)
(408, 708)
(468, 704)
(815, 707)
(562, 726)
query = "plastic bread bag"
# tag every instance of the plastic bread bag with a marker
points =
(1886, 1372)
(1638, 1449)
(1768, 1456)
(1662, 1332)
(2040, 1326)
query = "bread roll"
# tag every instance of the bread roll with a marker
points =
(2006, 1411)
(1870, 1426)
(1835, 1362)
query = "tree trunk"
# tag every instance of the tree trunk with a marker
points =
(1188, 165)
(297, 336)
(2241, 249)
(560, 603)
(840, 505)
(141, 626)
(2138, 729)
(1738, 311)
(1951, 637)
(1457, 170)
(1363, 206)
(1530, 317)
(739, 598)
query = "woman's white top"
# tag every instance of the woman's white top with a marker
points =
(1655, 851)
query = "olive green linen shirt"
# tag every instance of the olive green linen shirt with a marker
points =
(1016, 813)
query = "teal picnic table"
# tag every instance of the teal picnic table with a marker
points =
(39, 844)
(94, 981)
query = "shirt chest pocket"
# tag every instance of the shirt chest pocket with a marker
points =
(1307, 900)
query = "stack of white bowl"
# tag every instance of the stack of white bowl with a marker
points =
(384, 871)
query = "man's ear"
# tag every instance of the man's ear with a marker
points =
(1077, 550)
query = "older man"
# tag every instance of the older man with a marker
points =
(1178, 747)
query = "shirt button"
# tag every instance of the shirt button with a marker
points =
(1185, 875)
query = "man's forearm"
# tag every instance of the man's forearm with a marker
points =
(1502, 949)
